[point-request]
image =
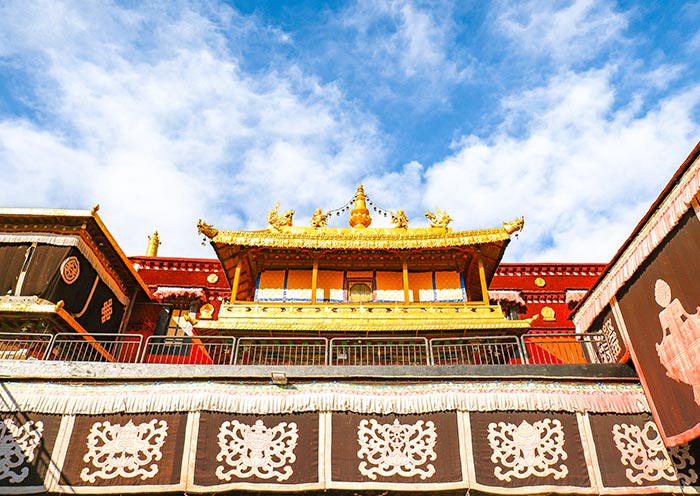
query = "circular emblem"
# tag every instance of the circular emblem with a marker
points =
(212, 278)
(70, 270)
(539, 282)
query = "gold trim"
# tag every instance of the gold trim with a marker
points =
(359, 239)
(366, 317)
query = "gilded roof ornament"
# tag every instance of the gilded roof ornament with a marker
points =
(275, 221)
(439, 219)
(320, 219)
(153, 244)
(399, 219)
(359, 215)
(95, 208)
(514, 226)
(207, 229)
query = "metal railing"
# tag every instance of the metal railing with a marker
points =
(487, 350)
(565, 348)
(24, 346)
(379, 351)
(533, 348)
(281, 351)
(123, 348)
(199, 350)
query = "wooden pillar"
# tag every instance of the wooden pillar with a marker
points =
(314, 279)
(482, 279)
(236, 279)
(404, 266)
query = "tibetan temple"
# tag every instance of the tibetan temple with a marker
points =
(349, 360)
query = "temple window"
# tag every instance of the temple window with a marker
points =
(359, 291)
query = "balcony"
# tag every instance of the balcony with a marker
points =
(370, 317)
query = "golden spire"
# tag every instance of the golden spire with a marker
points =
(359, 216)
(153, 243)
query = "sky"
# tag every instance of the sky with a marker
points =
(573, 113)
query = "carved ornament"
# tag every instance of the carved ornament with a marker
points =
(207, 229)
(439, 219)
(276, 221)
(399, 219)
(514, 226)
(320, 219)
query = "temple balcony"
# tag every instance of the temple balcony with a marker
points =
(328, 318)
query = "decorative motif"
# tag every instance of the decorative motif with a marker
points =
(439, 219)
(212, 278)
(609, 349)
(319, 219)
(260, 451)
(515, 225)
(642, 451)
(403, 449)
(106, 312)
(127, 451)
(548, 314)
(680, 341)
(207, 229)
(70, 270)
(528, 449)
(17, 446)
(276, 221)
(540, 282)
(399, 219)
(207, 311)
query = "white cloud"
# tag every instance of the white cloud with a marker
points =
(568, 32)
(405, 40)
(582, 173)
(148, 114)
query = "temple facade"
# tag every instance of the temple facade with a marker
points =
(349, 360)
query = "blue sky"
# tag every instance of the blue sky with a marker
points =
(571, 113)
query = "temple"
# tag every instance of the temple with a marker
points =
(327, 359)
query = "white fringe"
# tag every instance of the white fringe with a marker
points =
(325, 397)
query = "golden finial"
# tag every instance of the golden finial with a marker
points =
(153, 244)
(95, 208)
(439, 219)
(207, 229)
(359, 215)
(513, 226)
(399, 219)
(319, 219)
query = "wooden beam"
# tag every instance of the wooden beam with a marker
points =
(482, 279)
(314, 279)
(404, 268)
(236, 279)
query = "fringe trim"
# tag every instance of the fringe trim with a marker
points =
(70, 241)
(651, 235)
(327, 397)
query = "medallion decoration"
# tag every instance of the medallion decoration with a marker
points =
(127, 451)
(643, 452)
(396, 449)
(610, 348)
(17, 446)
(257, 450)
(70, 270)
(680, 339)
(528, 449)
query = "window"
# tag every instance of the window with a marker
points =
(359, 291)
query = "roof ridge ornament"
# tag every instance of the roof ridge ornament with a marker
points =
(359, 216)
(207, 229)
(320, 219)
(515, 225)
(276, 222)
(399, 219)
(439, 219)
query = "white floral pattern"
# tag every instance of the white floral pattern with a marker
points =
(127, 451)
(17, 446)
(528, 449)
(256, 450)
(643, 452)
(396, 449)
